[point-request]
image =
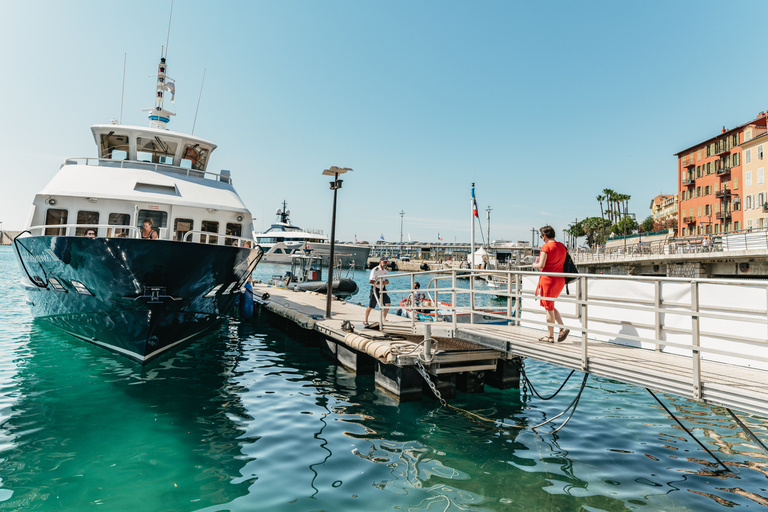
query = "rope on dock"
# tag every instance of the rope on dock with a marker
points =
(305, 321)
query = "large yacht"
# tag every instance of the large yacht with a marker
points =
(141, 247)
(282, 241)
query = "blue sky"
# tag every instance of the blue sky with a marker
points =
(541, 104)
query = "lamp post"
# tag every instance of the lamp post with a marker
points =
(401, 231)
(335, 186)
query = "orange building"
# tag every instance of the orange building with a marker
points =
(709, 181)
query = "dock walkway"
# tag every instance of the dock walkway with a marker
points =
(482, 347)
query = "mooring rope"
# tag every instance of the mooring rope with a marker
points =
(688, 431)
(749, 433)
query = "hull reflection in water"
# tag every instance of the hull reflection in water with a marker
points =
(135, 297)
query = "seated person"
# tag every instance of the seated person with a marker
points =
(147, 231)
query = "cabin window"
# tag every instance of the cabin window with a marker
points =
(159, 219)
(114, 146)
(118, 219)
(181, 227)
(209, 226)
(155, 150)
(86, 218)
(53, 217)
(194, 157)
(233, 230)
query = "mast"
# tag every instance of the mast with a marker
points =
(473, 210)
(158, 116)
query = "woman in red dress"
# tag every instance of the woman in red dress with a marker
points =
(551, 259)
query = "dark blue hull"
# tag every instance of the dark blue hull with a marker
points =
(134, 297)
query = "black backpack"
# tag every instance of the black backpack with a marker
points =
(569, 267)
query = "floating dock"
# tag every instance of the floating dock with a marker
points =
(702, 351)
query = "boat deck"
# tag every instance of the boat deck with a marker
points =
(722, 384)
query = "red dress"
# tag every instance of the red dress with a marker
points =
(551, 286)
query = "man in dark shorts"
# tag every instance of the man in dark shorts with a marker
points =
(378, 271)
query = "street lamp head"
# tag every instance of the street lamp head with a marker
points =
(333, 171)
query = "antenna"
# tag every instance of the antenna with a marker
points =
(122, 95)
(169, 30)
(198, 103)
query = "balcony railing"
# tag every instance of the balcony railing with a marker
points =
(688, 220)
(724, 170)
(688, 183)
(721, 149)
(723, 215)
(689, 163)
(722, 193)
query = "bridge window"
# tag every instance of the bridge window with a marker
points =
(86, 218)
(194, 157)
(114, 146)
(53, 217)
(155, 150)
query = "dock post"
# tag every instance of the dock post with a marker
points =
(506, 375)
(695, 341)
(427, 342)
(518, 298)
(583, 295)
(657, 305)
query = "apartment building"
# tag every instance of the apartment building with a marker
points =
(755, 202)
(709, 180)
(663, 207)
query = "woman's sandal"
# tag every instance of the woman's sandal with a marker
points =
(563, 334)
(548, 339)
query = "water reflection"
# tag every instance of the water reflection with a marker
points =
(92, 428)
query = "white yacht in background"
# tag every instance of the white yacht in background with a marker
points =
(282, 241)
(89, 268)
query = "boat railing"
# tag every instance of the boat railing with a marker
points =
(102, 230)
(150, 166)
(208, 237)
(722, 320)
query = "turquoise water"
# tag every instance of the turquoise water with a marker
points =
(246, 418)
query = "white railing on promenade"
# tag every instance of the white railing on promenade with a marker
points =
(704, 319)
(635, 249)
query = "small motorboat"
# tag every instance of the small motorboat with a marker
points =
(306, 274)
(426, 310)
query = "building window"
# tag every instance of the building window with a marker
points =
(749, 223)
(748, 179)
(735, 159)
(747, 156)
(760, 175)
(760, 152)
(748, 203)
(735, 183)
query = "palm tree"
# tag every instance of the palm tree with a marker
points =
(609, 196)
(600, 199)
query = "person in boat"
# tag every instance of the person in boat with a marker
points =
(90, 233)
(147, 231)
(378, 271)
(416, 298)
(551, 259)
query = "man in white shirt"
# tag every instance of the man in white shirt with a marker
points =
(376, 272)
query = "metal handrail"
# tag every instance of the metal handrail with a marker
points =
(115, 227)
(137, 164)
(696, 325)
(241, 241)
